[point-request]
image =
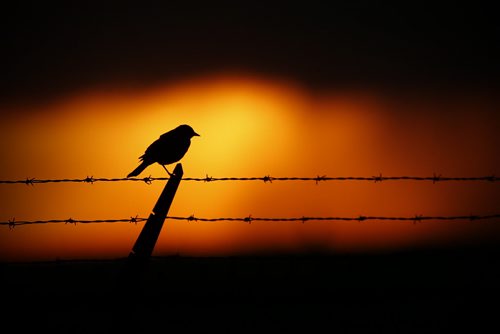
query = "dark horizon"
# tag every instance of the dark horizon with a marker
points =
(433, 291)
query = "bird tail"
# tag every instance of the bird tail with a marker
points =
(139, 169)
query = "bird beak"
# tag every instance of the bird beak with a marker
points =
(195, 134)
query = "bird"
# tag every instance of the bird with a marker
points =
(169, 148)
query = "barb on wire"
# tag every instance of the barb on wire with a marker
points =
(89, 179)
(417, 219)
(266, 179)
(70, 221)
(249, 219)
(320, 178)
(134, 219)
(147, 179)
(29, 182)
(12, 223)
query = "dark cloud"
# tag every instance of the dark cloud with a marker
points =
(48, 51)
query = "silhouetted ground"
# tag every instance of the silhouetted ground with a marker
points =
(407, 292)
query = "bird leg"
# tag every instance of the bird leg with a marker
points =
(170, 174)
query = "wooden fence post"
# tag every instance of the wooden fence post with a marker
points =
(145, 243)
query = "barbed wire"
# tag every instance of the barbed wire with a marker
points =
(249, 219)
(266, 179)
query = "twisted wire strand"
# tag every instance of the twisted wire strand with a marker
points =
(266, 179)
(249, 219)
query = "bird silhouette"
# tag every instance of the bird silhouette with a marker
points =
(169, 148)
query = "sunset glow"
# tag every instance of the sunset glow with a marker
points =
(249, 126)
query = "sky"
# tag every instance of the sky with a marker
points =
(355, 89)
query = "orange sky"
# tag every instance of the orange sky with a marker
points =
(249, 126)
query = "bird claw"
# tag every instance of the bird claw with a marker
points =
(169, 174)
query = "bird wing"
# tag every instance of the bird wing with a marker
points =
(167, 135)
(153, 150)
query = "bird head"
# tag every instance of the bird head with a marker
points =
(186, 131)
